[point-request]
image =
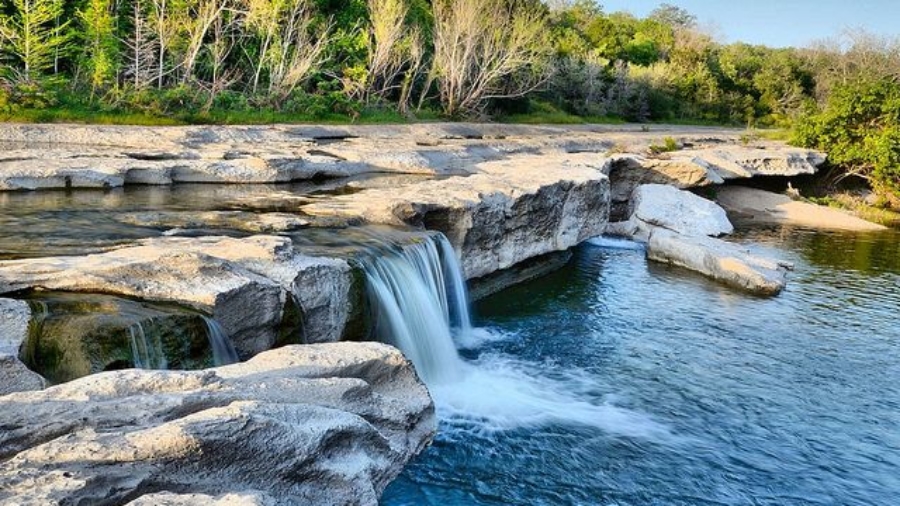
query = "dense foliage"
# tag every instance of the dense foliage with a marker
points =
(282, 60)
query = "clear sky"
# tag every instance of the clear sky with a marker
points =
(779, 22)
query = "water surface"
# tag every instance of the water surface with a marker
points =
(646, 385)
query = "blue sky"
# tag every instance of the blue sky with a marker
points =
(780, 23)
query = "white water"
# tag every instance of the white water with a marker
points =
(605, 241)
(222, 348)
(413, 297)
(146, 353)
(419, 295)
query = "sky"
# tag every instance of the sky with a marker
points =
(779, 23)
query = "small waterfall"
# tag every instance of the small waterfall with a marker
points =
(222, 348)
(419, 294)
(146, 353)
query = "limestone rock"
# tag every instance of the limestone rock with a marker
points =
(320, 424)
(61, 156)
(502, 214)
(657, 205)
(243, 283)
(15, 316)
(725, 262)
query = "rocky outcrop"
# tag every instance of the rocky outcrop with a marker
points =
(658, 205)
(245, 284)
(699, 165)
(320, 424)
(722, 261)
(501, 215)
(70, 156)
(15, 316)
(677, 225)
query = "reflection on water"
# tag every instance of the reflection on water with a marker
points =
(784, 401)
(73, 222)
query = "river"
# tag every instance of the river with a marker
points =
(615, 381)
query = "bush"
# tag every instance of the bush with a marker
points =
(859, 127)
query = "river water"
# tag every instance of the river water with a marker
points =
(619, 382)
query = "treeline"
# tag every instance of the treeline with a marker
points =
(194, 59)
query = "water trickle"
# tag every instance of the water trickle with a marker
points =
(222, 348)
(146, 353)
(418, 293)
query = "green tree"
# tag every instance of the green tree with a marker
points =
(34, 35)
(859, 127)
(101, 48)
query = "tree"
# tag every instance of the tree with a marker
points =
(674, 16)
(288, 51)
(859, 127)
(101, 49)
(34, 35)
(486, 49)
(141, 48)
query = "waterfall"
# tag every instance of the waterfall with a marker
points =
(146, 354)
(222, 348)
(418, 294)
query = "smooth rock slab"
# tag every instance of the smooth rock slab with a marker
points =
(320, 424)
(759, 206)
(722, 261)
(659, 205)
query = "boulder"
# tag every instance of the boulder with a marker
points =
(664, 206)
(722, 261)
(325, 424)
(15, 316)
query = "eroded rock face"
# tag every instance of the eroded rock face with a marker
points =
(658, 205)
(318, 424)
(501, 215)
(244, 283)
(14, 375)
(722, 261)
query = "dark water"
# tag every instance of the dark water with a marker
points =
(661, 388)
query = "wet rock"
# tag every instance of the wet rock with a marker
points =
(232, 220)
(244, 283)
(318, 424)
(15, 376)
(74, 335)
(728, 263)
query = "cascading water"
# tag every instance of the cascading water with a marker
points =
(146, 353)
(419, 297)
(222, 348)
(418, 293)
